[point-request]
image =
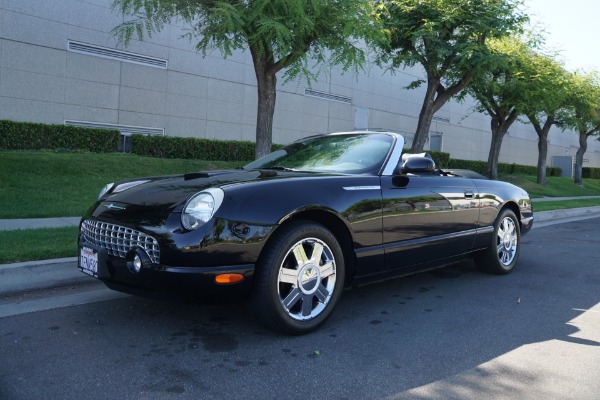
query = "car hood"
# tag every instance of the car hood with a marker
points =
(171, 192)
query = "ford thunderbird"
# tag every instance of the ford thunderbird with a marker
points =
(292, 230)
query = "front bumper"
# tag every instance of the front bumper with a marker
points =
(158, 280)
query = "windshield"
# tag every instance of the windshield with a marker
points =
(346, 154)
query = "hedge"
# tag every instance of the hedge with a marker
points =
(32, 136)
(200, 149)
(503, 168)
(588, 172)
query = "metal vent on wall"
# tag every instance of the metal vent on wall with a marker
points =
(441, 119)
(125, 144)
(124, 129)
(328, 96)
(113, 54)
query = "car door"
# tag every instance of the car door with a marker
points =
(427, 218)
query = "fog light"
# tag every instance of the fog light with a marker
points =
(137, 258)
(137, 263)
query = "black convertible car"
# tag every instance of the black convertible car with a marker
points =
(293, 229)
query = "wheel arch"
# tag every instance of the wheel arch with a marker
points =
(337, 227)
(514, 207)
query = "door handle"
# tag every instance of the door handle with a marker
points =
(469, 194)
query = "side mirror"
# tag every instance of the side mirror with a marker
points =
(413, 165)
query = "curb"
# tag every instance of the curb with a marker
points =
(557, 215)
(40, 275)
(50, 274)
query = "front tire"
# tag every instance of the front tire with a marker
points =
(503, 253)
(299, 278)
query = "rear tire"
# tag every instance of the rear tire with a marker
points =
(503, 253)
(299, 278)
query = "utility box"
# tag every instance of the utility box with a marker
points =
(565, 163)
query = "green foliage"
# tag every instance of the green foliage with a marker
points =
(583, 104)
(593, 173)
(523, 81)
(280, 32)
(32, 136)
(192, 148)
(441, 158)
(503, 168)
(446, 37)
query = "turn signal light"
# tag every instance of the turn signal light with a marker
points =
(225, 279)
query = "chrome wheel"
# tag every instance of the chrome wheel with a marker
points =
(507, 241)
(299, 278)
(306, 279)
(502, 254)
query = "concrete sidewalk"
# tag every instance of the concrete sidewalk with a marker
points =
(37, 223)
(50, 274)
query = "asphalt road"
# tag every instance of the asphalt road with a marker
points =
(449, 334)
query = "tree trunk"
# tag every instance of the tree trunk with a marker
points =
(266, 81)
(425, 118)
(579, 158)
(498, 131)
(264, 118)
(542, 132)
(542, 156)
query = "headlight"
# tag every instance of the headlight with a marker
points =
(201, 208)
(105, 189)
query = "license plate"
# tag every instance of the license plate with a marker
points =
(88, 261)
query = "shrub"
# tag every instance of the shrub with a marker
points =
(503, 168)
(441, 158)
(33, 136)
(588, 172)
(193, 148)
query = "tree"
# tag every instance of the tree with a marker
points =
(280, 35)
(583, 114)
(447, 38)
(546, 110)
(514, 88)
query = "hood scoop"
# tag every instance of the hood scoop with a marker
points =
(200, 175)
(210, 174)
(267, 173)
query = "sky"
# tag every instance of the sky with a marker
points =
(573, 27)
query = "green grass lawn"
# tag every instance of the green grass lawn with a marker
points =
(561, 205)
(555, 186)
(50, 184)
(38, 244)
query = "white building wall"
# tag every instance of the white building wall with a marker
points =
(212, 97)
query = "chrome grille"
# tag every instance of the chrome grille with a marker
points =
(117, 240)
